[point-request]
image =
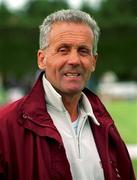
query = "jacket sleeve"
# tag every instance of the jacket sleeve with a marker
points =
(2, 163)
(2, 174)
(2, 177)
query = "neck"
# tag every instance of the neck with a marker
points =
(71, 104)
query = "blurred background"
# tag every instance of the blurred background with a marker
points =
(115, 79)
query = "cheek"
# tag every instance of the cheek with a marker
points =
(52, 68)
(87, 65)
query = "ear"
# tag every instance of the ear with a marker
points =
(41, 60)
(94, 60)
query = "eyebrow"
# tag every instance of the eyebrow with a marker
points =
(78, 46)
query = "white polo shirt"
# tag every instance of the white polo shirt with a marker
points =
(77, 137)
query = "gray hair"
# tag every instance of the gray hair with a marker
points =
(70, 15)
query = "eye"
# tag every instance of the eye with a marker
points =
(84, 51)
(63, 50)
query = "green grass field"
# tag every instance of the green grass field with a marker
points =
(124, 113)
(134, 162)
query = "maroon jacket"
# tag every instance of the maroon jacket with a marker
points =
(31, 148)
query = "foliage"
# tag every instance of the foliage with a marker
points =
(115, 12)
(4, 14)
(37, 10)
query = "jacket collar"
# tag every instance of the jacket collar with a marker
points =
(99, 109)
(34, 104)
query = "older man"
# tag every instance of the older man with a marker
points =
(61, 130)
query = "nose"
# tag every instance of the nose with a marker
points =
(74, 58)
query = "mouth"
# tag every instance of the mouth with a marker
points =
(72, 75)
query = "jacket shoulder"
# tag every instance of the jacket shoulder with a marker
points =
(10, 112)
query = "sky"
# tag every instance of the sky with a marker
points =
(17, 4)
(14, 4)
(76, 3)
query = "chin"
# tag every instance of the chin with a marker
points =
(74, 91)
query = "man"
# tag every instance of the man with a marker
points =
(61, 131)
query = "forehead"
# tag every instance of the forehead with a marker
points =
(62, 32)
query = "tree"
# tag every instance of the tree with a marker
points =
(4, 14)
(118, 12)
(36, 10)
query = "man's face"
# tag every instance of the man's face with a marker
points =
(68, 60)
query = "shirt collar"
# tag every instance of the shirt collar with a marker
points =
(88, 108)
(54, 99)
